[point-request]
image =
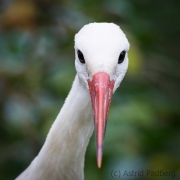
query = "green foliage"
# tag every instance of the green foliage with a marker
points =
(37, 70)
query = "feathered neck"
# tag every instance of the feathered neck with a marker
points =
(62, 156)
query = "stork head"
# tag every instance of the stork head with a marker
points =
(101, 63)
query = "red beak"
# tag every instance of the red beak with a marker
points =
(101, 89)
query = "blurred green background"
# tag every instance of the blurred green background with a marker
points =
(37, 70)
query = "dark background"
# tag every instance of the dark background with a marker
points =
(37, 70)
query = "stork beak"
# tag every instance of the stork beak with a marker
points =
(101, 89)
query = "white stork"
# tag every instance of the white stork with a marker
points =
(101, 62)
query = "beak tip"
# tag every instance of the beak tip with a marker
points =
(99, 165)
(99, 157)
(99, 162)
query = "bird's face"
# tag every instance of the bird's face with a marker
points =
(101, 63)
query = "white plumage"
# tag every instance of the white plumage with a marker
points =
(62, 155)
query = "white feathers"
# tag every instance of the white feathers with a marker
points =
(62, 155)
(101, 45)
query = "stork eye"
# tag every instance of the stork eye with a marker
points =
(121, 57)
(81, 57)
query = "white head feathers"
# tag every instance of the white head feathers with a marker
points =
(101, 45)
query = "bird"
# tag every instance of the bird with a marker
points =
(101, 62)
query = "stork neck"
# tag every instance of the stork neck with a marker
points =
(62, 155)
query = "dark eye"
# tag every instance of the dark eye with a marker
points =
(81, 57)
(121, 57)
